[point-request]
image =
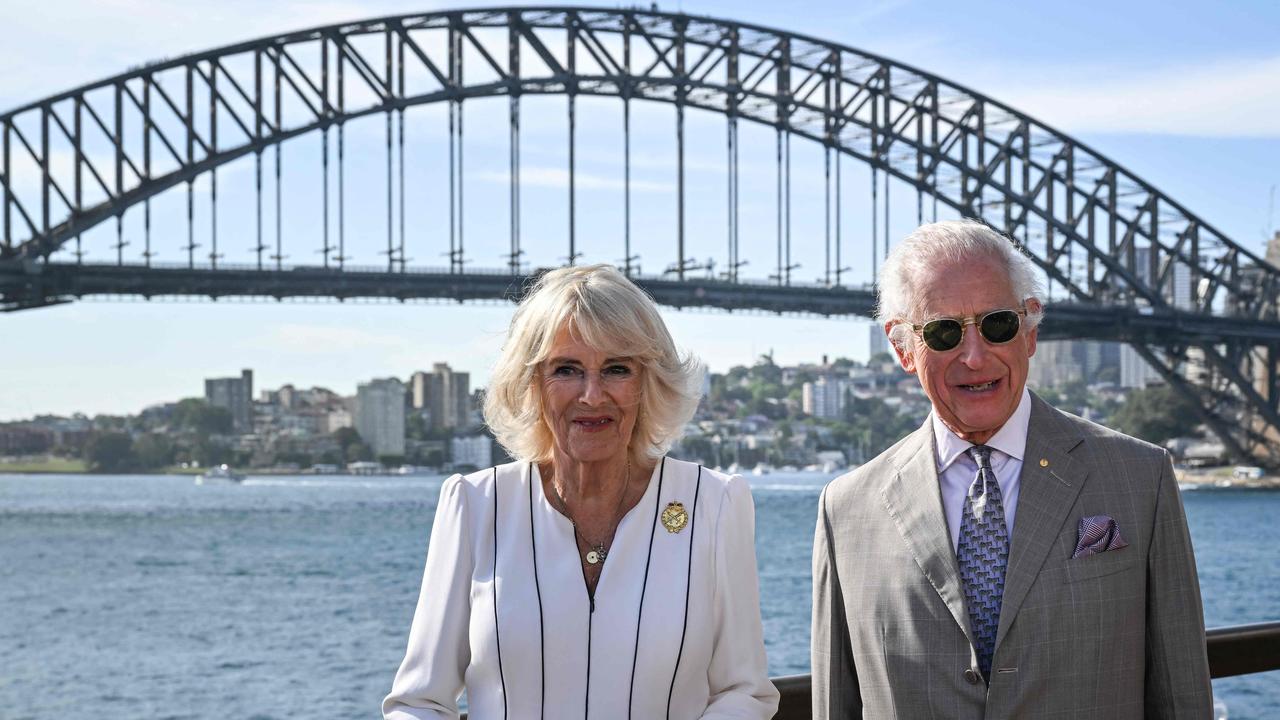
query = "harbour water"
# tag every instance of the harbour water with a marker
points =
(285, 597)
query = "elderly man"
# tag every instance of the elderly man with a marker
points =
(1006, 560)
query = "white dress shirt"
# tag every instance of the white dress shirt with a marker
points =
(673, 629)
(957, 470)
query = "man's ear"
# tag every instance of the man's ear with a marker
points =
(1033, 305)
(906, 358)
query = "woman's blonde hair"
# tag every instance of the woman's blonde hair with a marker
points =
(608, 312)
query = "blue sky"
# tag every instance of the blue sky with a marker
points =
(1186, 95)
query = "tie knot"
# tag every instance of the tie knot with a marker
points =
(981, 455)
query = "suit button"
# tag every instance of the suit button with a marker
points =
(971, 676)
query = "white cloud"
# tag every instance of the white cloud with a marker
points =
(1226, 98)
(74, 42)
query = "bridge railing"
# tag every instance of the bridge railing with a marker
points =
(440, 270)
(1235, 650)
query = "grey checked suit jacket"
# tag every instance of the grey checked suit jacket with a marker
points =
(1119, 634)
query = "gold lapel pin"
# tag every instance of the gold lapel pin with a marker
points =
(1044, 462)
(674, 517)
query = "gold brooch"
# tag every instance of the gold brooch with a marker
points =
(674, 517)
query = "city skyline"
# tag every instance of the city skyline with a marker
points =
(1061, 362)
(1184, 96)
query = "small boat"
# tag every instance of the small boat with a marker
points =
(220, 475)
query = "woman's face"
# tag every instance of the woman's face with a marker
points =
(589, 400)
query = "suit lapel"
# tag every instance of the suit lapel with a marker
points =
(914, 502)
(1050, 482)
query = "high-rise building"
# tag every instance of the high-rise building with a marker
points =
(824, 398)
(236, 395)
(1135, 372)
(1177, 290)
(337, 419)
(1054, 364)
(475, 450)
(878, 342)
(1058, 362)
(420, 390)
(379, 415)
(445, 394)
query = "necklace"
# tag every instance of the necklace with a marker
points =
(597, 551)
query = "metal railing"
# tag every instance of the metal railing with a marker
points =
(1235, 650)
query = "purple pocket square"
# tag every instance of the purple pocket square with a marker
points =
(1098, 533)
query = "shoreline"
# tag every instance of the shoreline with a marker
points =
(1217, 478)
(191, 472)
(1223, 478)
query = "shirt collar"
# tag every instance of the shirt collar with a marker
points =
(1010, 439)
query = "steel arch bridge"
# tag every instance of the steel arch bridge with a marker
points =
(1135, 265)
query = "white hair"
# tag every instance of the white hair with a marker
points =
(900, 299)
(608, 312)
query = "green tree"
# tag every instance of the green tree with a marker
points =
(763, 403)
(784, 430)
(766, 371)
(1156, 414)
(201, 418)
(698, 447)
(330, 457)
(153, 451)
(875, 425)
(209, 452)
(353, 446)
(110, 452)
(344, 436)
(109, 422)
(1109, 374)
(796, 395)
(415, 427)
(1075, 395)
(294, 457)
(1050, 396)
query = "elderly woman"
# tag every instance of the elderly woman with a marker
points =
(595, 577)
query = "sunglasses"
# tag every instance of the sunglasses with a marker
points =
(996, 327)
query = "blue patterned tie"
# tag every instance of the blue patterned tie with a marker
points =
(983, 554)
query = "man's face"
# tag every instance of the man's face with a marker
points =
(975, 386)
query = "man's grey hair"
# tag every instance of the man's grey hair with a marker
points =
(900, 299)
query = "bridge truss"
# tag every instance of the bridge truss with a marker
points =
(1135, 265)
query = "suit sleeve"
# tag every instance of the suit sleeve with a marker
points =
(431, 678)
(1177, 673)
(835, 678)
(738, 675)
